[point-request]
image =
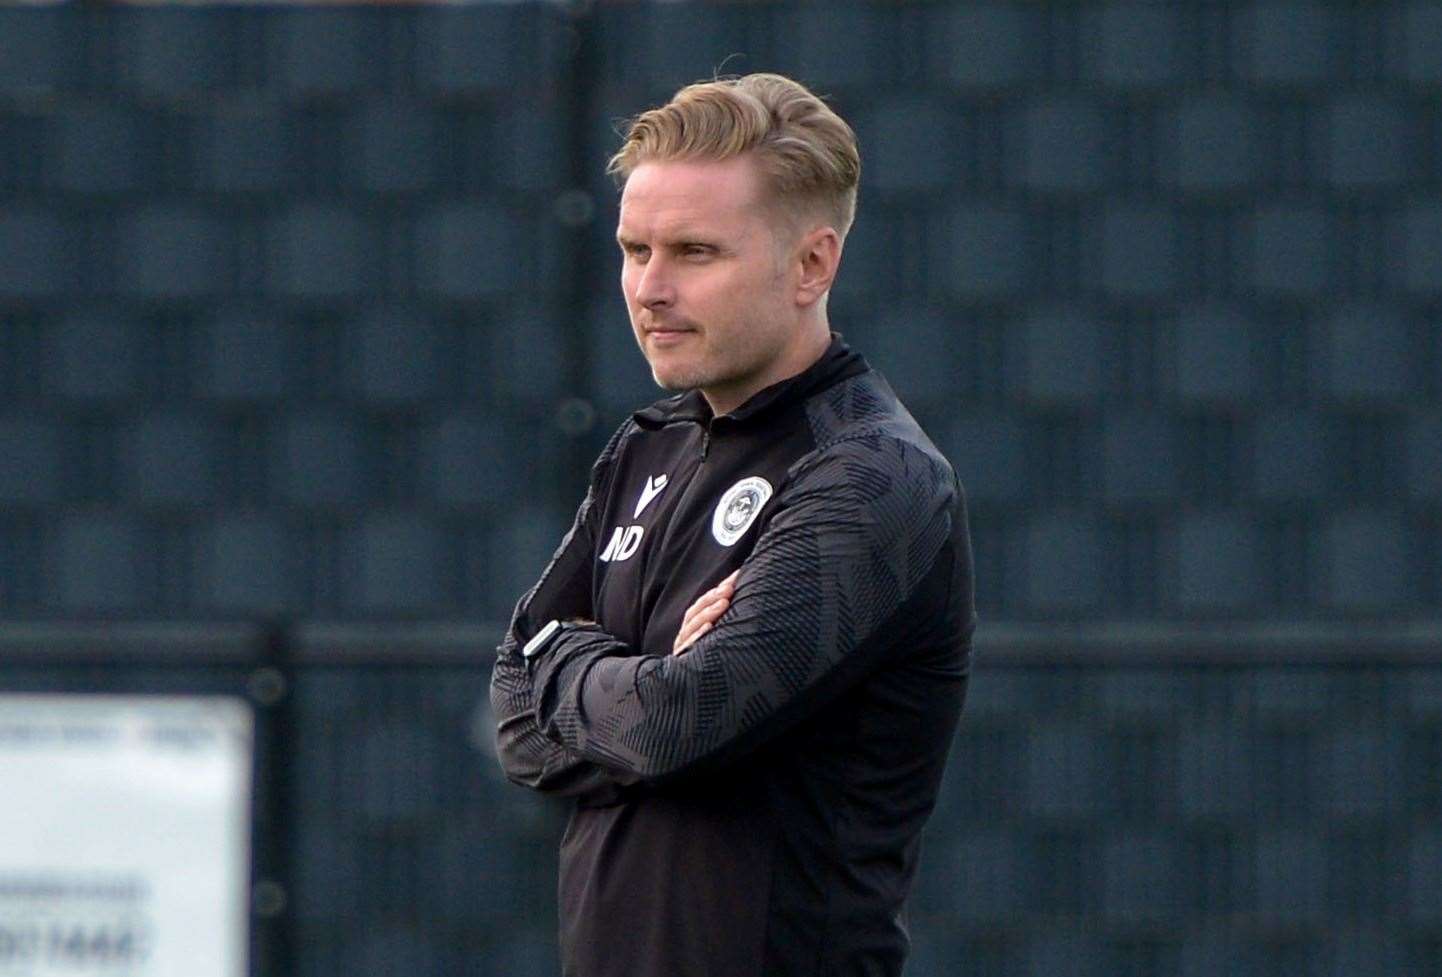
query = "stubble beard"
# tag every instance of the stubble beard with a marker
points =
(717, 369)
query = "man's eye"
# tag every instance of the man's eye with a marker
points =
(638, 252)
(696, 251)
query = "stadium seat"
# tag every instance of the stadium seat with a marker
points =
(1424, 456)
(1290, 455)
(1065, 565)
(1362, 767)
(1371, 946)
(1214, 774)
(1062, 951)
(1066, 771)
(394, 145)
(1421, 238)
(99, 148)
(1424, 875)
(94, 356)
(247, 563)
(1420, 43)
(505, 369)
(392, 778)
(468, 250)
(246, 355)
(1214, 144)
(1288, 700)
(1206, 951)
(168, 252)
(838, 43)
(40, 50)
(1153, 695)
(1366, 139)
(1290, 869)
(478, 459)
(315, 53)
(992, 250)
(396, 356)
(318, 460)
(322, 252)
(1364, 561)
(245, 146)
(985, 47)
(1219, 563)
(1139, 873)
(973, 877)
(997, 696)
(41, 249)
(172, 460)
(522, 545)
(1134, 46)
(485, 50)
(893, 128)
(622, 380)
(669, 46)
(527, 148)
(327, 881)
(1067, 146)
(918, 348)
(1367, 355)
(1063, 350)
(1215, 356)
(1288, 43)
(104, 561)
(176, 52)
(869, 268)
(394, 562)
(989, 451)
(32, 460)
(1138, 458)
(1139, 248)
(1291, 250)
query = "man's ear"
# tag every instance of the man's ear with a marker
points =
(819, 253)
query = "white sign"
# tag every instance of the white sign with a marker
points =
(124, 835)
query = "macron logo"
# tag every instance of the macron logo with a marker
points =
(627, 539)
(654, 486)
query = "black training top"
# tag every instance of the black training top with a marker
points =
(752, 807)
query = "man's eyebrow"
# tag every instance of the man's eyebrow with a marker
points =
(678, 236)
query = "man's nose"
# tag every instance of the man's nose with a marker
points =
(654, 289)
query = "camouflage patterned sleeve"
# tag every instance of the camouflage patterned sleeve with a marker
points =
(822, 599)
(564, 591)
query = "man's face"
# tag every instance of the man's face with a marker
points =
(709, 290)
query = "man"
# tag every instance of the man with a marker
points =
(748, 657)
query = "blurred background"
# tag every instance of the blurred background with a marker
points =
(310, 330)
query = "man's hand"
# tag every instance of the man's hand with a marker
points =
(704, 612)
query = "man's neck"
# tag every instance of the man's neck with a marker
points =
(794, 361)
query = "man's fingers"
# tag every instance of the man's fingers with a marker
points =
(722, 591)
(682, 646)
(705, 617)
(699, 622)
(704, 612)
(705, 603)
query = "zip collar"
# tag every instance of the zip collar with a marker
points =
(839, 362)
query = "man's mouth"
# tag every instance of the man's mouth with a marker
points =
(668, 333)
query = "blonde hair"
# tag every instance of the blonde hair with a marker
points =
(806, 151)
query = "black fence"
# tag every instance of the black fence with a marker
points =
(1119, 801)
(314, 312)
(310, 315)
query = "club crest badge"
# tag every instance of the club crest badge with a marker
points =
(738, 508)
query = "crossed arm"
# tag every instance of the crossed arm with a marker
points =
(822, 597)
(528, 757)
